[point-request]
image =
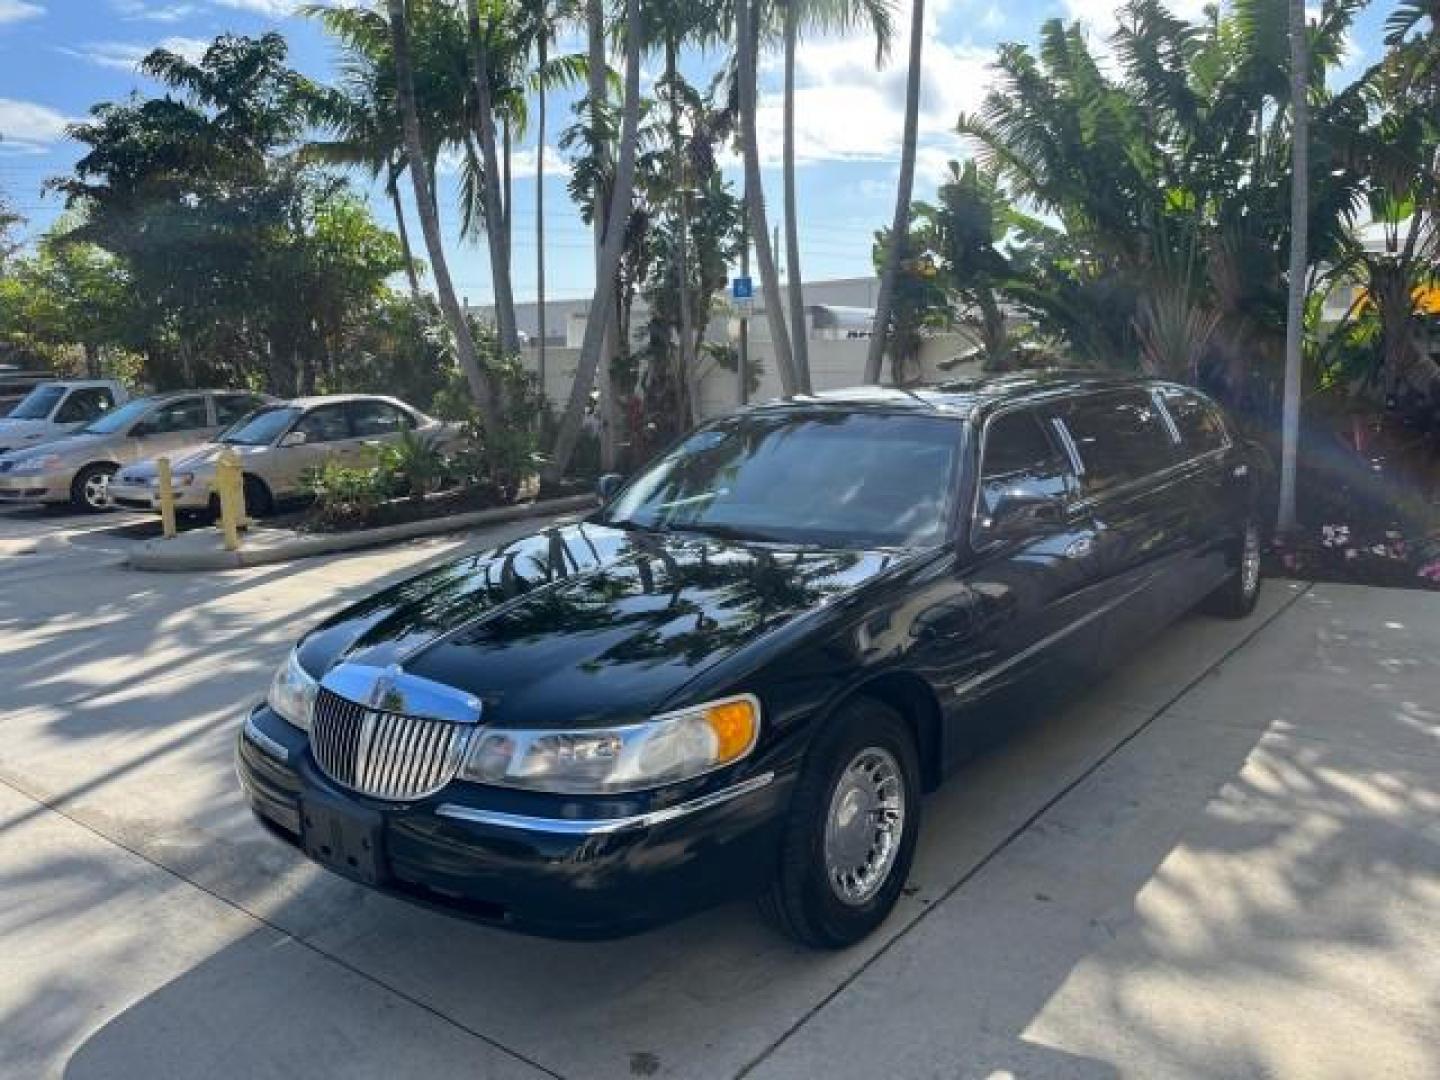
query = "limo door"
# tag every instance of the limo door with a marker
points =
(1026, 597)
(1141, 505)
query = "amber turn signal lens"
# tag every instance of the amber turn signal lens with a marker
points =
(734, 724)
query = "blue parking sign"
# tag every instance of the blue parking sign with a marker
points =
(742, 288)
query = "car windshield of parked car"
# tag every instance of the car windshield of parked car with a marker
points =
(120, 419)
(37, 404)
(260, 428)
(826, 478)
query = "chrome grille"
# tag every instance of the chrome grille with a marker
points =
(382, 754)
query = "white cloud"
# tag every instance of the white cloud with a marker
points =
(17, 10)
(847, 110)
(143, 10)
(126, 56)
(28, 127)
(522, 163)
(275, 9)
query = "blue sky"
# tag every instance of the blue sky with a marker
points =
(58, 57)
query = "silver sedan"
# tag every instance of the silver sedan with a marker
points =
(278, 446)
(78, 468)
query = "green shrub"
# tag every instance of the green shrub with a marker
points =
(347, 495)
(414, 464)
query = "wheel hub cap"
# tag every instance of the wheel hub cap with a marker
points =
(864, 825)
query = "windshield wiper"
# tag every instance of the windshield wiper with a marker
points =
(719, 531)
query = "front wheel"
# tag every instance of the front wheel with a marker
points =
(90, 490)
(1236, 597)
(850, 837)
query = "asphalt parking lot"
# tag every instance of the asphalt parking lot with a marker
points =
(1224, 861)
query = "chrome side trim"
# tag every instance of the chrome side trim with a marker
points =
(394, 690)
(265, 742)
(603, 826)
(990, 674)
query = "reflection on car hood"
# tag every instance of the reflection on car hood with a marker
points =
(30, 432)
(70, 447)
(584, 623)
(206, 456)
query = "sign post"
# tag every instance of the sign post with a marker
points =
(742, 298)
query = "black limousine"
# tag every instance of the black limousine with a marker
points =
(741, 673)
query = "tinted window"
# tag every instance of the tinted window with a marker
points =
(838, 479)
(261, 429)
(119, 419)
(1120, 437)
(83, 405)
(1018, 453)
(37, 403)
(231, 407)
(327, 424)
(187, 414)
(1198, 421)
(375, 418)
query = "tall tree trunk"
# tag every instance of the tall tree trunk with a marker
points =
(430, 220)
(543, 55)
(682, 232)
(496, 232)
(506, 151)
(900, 226)
(799, 329)
(599, 89)
(620, 199)
(747, 33)
(1299, 260)
(392, 188)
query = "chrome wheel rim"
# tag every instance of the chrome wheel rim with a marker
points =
(1250, 561)
(864, 825)
(97, 490)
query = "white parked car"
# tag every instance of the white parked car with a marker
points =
(77, 469)
(278, 445)
(55, 409)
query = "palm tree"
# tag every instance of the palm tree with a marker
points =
(905, 188)
(609, 261)
(835, 16)
(747, 44)
(1299, 263)
(495, 210)
(423, 184)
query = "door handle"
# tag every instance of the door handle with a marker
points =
(1080, 547)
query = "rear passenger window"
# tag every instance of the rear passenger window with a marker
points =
(1018, 453)
(1120, 437)
(1197, 420)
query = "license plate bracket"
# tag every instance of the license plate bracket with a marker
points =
(348, 840)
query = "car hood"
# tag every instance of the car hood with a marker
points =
(17, 433)
(68, 447)
(207, 455)
(584, 623)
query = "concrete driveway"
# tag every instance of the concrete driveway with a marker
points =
(1224, 861)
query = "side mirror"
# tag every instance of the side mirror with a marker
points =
(1021, 511)
(294, 438)
(607, 486)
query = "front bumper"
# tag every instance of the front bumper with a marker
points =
(35, 487)
(499, 857)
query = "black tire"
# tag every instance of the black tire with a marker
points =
(87, 490)
(258, 500)
(802, 900)
(1236, 598)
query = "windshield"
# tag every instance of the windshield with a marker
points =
(119, 420)
(260, 428)
(38, 404)
(836, 479)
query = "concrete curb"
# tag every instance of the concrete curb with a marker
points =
(162, 555)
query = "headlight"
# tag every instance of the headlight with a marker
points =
(292, 692)
(664, 749)
(38, 464)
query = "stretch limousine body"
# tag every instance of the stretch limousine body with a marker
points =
(742, 673)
